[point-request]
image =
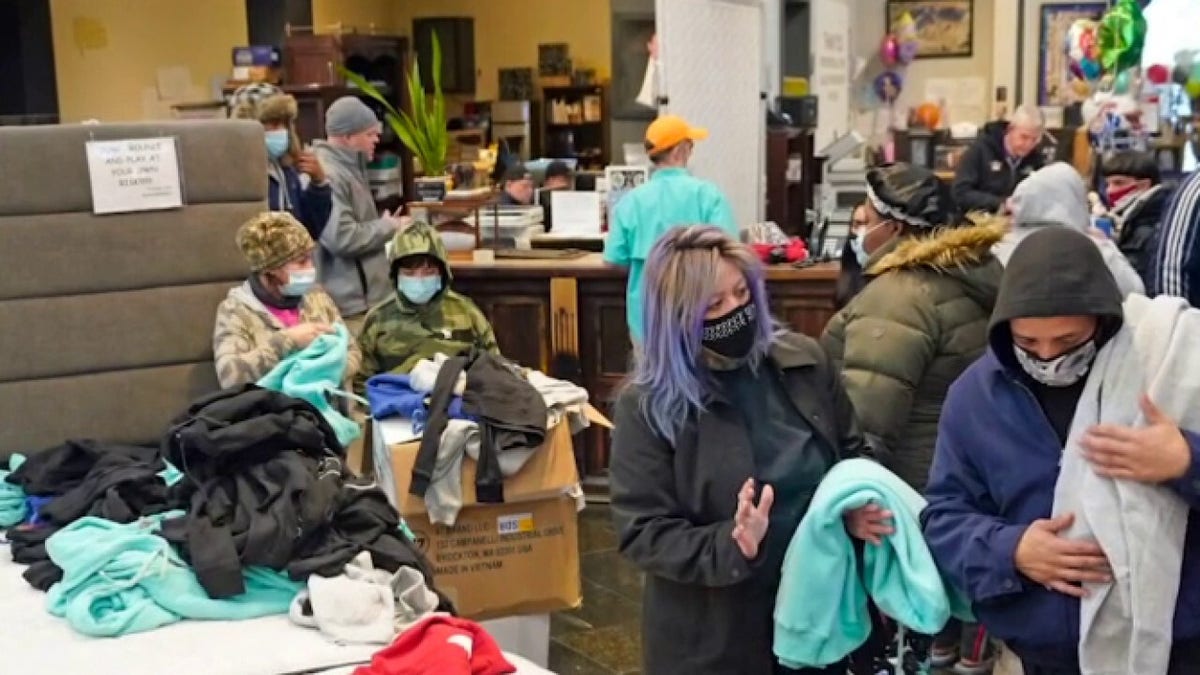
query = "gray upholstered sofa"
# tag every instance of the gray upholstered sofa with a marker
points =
(106, 321)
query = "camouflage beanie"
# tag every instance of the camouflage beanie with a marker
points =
(271, 239)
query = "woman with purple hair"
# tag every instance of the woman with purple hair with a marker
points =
(722, 434)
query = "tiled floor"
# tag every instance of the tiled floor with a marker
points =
(604, 636)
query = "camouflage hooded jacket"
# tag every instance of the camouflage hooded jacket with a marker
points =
(397, 333)
(248, 341)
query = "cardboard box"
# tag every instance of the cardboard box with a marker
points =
(519, 557)
(506, 559)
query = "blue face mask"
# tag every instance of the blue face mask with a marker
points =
(299, 283)
(419, 290)
(278, 143)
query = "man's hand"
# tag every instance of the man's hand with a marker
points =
(750, 521)
(397, 222)
(869, 523)
(1154, 453)
(308, 163)
(1060, 564)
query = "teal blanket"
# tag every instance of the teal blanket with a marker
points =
(122, 579)
(821, 610)
(12, 497)
(313, 374)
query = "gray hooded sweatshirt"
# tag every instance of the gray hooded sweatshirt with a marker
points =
(1057, 195)
(351, 263)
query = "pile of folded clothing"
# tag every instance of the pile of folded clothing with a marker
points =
(246, 506)
(477, 405)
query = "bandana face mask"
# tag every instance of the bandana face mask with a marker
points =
(1061, 371)
(732, 335)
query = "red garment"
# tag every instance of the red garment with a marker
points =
(794, 251)
(443, 645)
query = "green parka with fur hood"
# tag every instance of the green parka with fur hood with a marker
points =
(916, 326)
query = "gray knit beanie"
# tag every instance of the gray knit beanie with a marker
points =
(348, 116)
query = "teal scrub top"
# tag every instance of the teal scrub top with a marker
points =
(671, 197)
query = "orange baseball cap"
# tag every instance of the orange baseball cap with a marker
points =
(668, 131)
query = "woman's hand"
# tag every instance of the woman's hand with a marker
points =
(750, 521)
(869, 523)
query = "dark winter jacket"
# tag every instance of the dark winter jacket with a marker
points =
(310, 205)
(264, 484)
(999, 446)
(511, 413)
(706, 608)
(81, 478)
(984, 178)
(920, 321)
(1138, 219)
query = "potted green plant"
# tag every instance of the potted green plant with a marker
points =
(424, 131)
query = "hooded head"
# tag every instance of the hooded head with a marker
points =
(1057, 296)
(419, 270)
(1054, 194)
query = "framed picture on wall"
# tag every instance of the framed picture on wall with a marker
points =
(1054, 75)
(944, 27)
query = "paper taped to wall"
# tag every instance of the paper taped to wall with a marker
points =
(965, 98)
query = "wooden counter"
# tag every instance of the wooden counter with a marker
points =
(545, 312)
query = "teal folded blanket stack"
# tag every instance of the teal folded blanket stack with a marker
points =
(124, 578)
(821, 612)
(12, 497)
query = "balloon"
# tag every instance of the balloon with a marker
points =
(905, 29)
(888, 85)
(1179, 75)
(889, 51)
(928, 115)
(1122, 35)
(1122, 82)
(1193, 88)
(1195, 72)
(1081, 88)
(1091, 70)
(908, 51)
(1158, 74)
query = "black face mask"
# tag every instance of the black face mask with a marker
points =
(732, 335)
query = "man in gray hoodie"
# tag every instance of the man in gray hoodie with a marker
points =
(1056, 196)
(351, 262)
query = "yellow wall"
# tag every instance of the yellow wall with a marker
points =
(107, 53)
(362, 15)
(507, 32)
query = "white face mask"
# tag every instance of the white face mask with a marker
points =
(1063, 370)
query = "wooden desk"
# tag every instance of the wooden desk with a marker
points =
(543, 310)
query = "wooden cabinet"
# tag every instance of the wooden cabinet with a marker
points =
(312, 74)
(456, 35)
(789, 197)
(575, 125)
(543, 311)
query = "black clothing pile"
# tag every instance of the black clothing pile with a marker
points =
(263, 483)
(511, 414)
(83, 478)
